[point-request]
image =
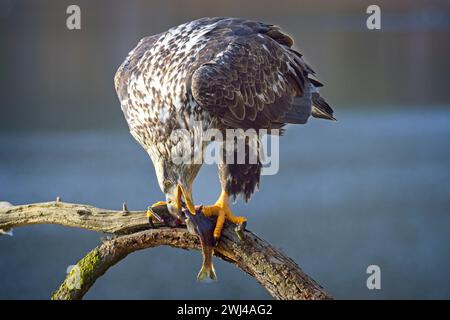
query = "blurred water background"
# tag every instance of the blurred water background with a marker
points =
(373, 188)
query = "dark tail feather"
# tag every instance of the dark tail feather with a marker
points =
(300, 111)
(320, 108)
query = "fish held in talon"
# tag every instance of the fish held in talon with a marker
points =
(204, 228)
(197, 224)
(160, 213)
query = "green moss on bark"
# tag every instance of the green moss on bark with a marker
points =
(80, 276)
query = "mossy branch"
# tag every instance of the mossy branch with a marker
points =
(279, 274)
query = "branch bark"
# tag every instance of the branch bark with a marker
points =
(279, 274)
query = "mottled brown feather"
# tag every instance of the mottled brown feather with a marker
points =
(226, 72)
(252, 82)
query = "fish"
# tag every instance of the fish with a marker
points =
(197, 224)
(160, 213)
(203, 226)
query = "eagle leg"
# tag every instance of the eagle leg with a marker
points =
(158, 212)
(187, 200)
(222, 210)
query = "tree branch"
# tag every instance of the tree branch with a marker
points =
(73, 215)
(279, 274)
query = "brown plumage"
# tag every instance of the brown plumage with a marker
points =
(225, 72)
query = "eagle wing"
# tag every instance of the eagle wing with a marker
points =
(256, 82)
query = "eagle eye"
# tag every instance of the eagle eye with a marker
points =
(167, 184)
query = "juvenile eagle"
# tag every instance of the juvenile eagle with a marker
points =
(227, 73)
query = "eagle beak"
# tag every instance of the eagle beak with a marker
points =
(183, 199)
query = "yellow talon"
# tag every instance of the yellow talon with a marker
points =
(159, 203)
(180, 192)
(222, 210)
(187, 200)
(151, 217)
(149, 212)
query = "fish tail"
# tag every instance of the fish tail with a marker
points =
(207, 272)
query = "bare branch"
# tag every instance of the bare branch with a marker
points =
(280, 275)
(73, 215)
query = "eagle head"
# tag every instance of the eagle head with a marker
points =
(171, 176)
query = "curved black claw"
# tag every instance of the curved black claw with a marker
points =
(215, 241)
(239, 229)
(150, 222)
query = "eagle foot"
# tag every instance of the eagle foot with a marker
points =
(222, 211)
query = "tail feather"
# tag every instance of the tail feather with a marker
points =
(320, 108)
(300, 112)
(308, 105)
